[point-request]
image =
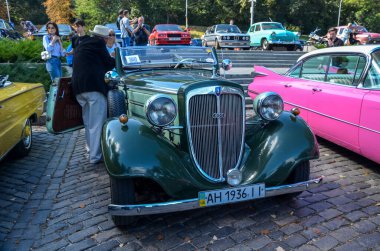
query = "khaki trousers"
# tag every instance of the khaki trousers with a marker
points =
(94, 113)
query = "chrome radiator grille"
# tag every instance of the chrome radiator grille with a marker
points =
(216, 130)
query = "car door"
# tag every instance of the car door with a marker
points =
(369, 130)
(256, 39)
(63, 111)
(210, 37)
(336, 102)
(250, 32)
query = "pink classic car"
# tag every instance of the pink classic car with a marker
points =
(338, 92)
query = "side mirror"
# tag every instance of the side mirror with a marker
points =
(226, 64)
(154, 30)
(187, 29)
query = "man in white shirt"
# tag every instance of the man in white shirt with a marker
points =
(126, 29)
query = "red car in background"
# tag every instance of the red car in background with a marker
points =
(361, 34)
(169, 34)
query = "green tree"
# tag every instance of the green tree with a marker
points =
(363, 12)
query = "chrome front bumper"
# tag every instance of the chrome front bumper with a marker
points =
(183, 205)
(284, 42)
(232, 44)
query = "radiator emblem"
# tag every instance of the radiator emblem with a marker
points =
(218, 90)
(218, 115)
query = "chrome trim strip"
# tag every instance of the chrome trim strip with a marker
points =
(136, 103)
(189, 204)
(162, 90)
(220, 148)
(331, 117)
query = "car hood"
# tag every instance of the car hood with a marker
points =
(283, 33)
(372, 34)
(15, 89)
(231, 34)
(165, 80)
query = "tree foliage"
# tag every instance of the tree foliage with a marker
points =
(59, 11)
(301, 14)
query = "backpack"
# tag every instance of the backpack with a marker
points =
(118, 22)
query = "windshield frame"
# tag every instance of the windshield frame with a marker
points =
(281, 27)
(158, 26)
(199, 58)
(227, 27)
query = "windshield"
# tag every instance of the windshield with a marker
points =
(64, 28)
(226, 28)
(360, 29)
(61, 28)
(272, 26)
(2, 26)
(167, 56)
(112, 26)
(169, 27)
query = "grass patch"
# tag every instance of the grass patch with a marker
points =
(196, 31)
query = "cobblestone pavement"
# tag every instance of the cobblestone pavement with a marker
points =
(53, 199)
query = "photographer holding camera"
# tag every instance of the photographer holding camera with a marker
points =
(141, 32)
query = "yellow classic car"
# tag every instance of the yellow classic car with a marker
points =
(20, 105)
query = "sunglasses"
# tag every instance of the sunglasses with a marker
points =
(111, 35)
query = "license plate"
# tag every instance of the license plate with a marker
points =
(231, 195)
(174, 38)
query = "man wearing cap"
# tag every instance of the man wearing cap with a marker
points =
(332, 40)
(91, 62)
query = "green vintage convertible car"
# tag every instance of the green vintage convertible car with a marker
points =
(178, 137)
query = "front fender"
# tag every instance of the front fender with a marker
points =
(136, 150)
(276, 148)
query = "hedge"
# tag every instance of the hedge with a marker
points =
(27, 73)
(12, 51)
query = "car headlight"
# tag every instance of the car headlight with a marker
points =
(268, 105)
(160, 110)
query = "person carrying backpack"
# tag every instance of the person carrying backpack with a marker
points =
(119, 17)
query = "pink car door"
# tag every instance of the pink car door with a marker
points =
(369, 131)
(336, 103)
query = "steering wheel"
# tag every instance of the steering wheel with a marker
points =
(183, 61)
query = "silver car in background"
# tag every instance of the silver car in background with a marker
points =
(225, 36)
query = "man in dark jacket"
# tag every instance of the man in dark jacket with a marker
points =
(332, 39)
(91, 62)
(141, 32)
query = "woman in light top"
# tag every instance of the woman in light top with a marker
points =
(111, 43)
(53, 44)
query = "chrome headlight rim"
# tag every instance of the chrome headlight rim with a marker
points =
(148, 105)
(258, 103)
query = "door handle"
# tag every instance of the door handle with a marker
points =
(315, 89)
(287, 85)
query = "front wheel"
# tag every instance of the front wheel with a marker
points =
(115, 103)
(265, 45)
(299, 174)
(217, 46)
(122, 192)
(23, 147)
